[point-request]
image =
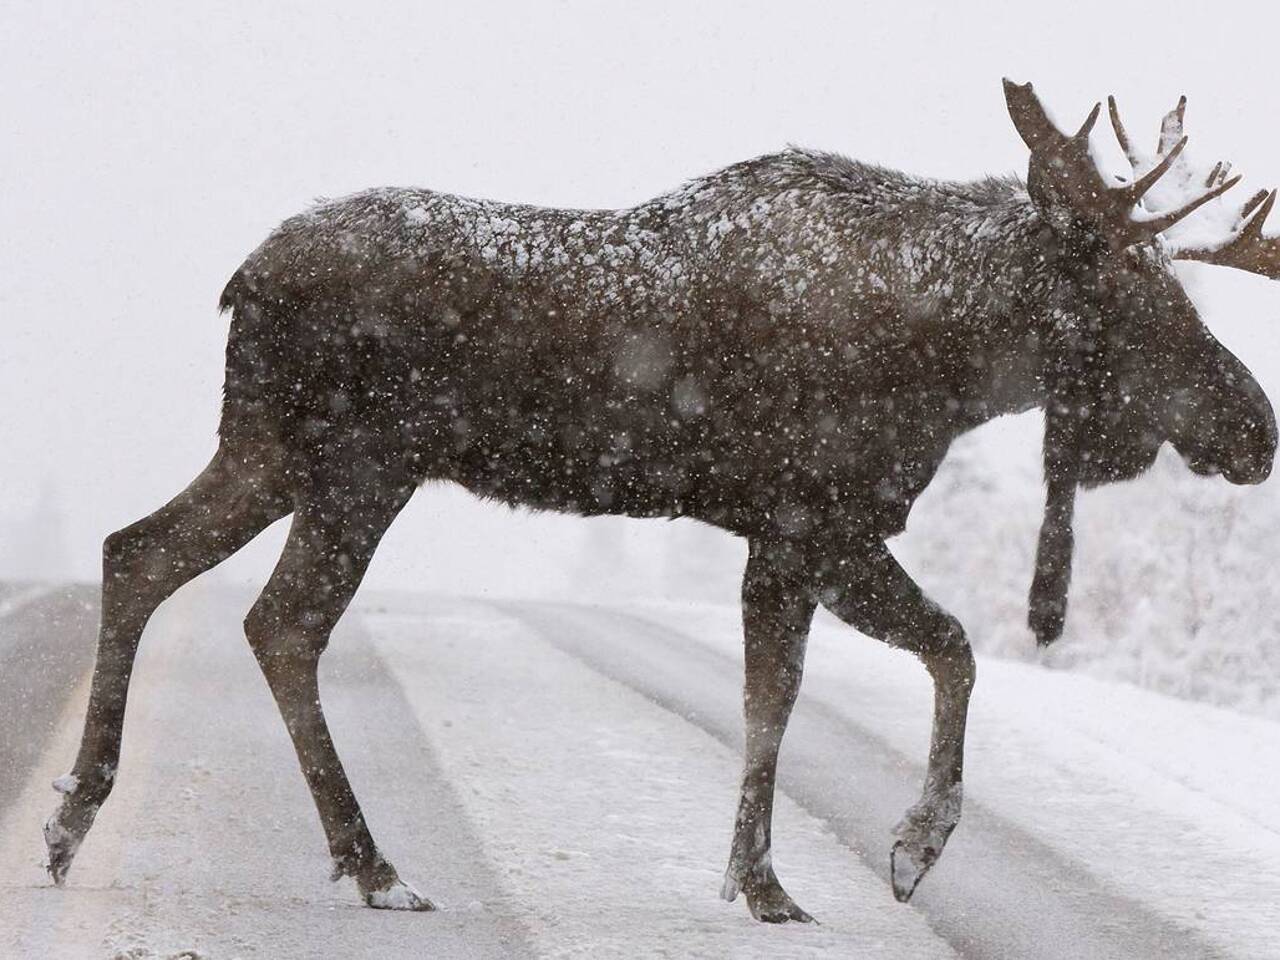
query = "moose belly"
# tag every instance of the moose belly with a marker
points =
(576, 466)
(781, 481)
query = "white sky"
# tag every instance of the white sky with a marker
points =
(149, 146)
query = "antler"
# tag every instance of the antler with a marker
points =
(1223, 236)
(1246, 248)
(1062, 172)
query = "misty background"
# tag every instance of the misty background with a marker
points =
(149, 147)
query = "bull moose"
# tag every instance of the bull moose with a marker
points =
(783, 349)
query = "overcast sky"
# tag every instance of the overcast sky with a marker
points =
(149, 147)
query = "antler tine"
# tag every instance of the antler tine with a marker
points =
(1030, 117)
(1167, 220)
(1253, 229)
(1122, 136)
(1252, 204)
(1171, 127)
(1219, 173)
(1087, 127)
(1136, 190)
(1248, 249)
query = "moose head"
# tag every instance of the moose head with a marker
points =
(1131, 364)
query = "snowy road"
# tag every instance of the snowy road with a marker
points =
(561, 780)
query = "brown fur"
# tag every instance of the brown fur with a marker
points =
(784, 349)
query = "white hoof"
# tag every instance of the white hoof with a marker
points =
(908, 866)
(398, 896)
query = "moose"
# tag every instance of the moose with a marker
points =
(783, 349)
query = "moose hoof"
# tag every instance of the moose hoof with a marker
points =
(766, 899)
(62, 845)
(63, 833)
(908, 863)
(922, 834)
(771, 904)
(398, 896)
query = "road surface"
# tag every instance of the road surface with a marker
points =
(561, 780)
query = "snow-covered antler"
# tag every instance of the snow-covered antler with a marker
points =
(1244, 247)
(1222, 234)
(1063, 174)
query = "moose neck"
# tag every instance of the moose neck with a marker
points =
(965, 274)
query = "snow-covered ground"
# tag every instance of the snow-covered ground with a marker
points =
(561, 779)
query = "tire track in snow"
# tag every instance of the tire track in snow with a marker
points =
(1165, 801)
(210, 840)
(607, 816)
(47, 638)
(17, 594)
(998, 892)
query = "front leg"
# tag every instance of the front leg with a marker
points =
(777, 607)
(871, 592)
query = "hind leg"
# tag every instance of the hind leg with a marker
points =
(236, 496)
(335, 531)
